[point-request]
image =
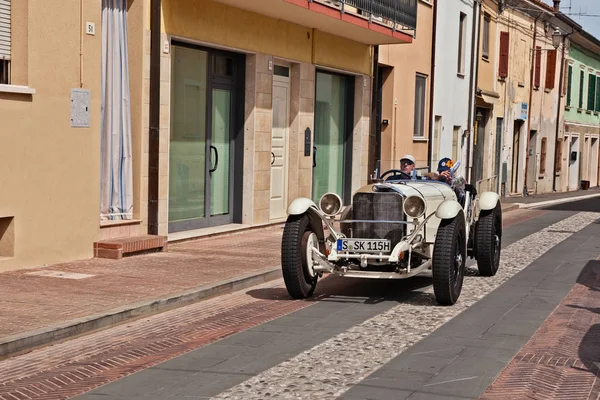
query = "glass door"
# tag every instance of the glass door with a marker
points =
(188, 139)
(201, 182)
(333, 133)
(220, 170)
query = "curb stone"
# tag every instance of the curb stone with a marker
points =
(20, 343)
(556, 201)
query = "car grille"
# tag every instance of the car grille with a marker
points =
(378, 206)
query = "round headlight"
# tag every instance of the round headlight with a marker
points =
(330, 204)
(414, 206)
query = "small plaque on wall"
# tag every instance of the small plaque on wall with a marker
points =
(80, 108)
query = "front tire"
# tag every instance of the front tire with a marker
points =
(298, 274)
(449, 257)
(488, 240)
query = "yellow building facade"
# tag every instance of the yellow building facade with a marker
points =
(224, 112)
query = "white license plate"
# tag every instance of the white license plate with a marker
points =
(364, 245)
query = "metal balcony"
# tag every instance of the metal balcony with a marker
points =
(364, 21)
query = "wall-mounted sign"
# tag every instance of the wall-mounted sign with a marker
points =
(523, 110)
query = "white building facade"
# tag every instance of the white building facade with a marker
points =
(453, 83)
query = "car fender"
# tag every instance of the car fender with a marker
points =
(448, 209)
(300, 206)
(488, 201)
(303, 205)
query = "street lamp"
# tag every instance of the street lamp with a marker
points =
(556, 36)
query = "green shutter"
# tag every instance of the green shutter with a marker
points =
(591, 91)
(597, 94)
(570, 79)
(581, 78)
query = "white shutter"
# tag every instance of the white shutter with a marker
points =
(5, 29)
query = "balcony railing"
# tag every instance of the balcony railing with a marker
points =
(397, 14)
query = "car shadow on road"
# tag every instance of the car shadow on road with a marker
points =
(589, 347)
(356, 290)
(586, 205)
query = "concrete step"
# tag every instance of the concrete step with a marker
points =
(117, 248)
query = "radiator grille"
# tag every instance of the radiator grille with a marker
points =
(378, 206)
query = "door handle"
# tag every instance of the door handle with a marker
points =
(314, 156)
(272, 158)
(216, 157)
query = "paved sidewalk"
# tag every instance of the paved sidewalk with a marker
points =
(562, 359)
(60, 301)
(550, 196)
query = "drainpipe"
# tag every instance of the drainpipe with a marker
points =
(472, 83)
(560, 90)
(431, 162)
(531, 69)
(154, 136)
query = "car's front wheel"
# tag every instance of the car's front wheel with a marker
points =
(448, 263)
(488, 240)
(296, 257)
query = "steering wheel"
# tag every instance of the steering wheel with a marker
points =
(396, 172)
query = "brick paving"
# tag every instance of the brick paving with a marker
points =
(30, 302)
(562, 359)
(71, 368)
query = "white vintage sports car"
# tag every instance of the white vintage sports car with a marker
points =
(395, 228)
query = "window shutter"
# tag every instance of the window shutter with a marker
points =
(5, 29)
(581, 78)
(503, 64)
(597, 94)
(569, 82)
(550, 69)
(538, 66)
(558, 155)
(591, 91)
(543, 156)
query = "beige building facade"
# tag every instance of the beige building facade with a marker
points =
(529, 75)
(222, 114)
(405, 82)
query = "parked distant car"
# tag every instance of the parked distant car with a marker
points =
(395, 228)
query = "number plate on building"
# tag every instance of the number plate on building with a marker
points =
(364, 245)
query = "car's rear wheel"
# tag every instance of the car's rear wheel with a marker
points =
(448, 263)
(296, 256)
(488, 240)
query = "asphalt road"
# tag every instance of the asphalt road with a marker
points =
(357, 339)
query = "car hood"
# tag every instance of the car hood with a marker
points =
(430, 190)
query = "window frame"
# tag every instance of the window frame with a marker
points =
(420, 106)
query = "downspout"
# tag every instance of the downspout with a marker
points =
(153, 135)
(472, 82)
(560, 90)
(431, 162)
(531, 69)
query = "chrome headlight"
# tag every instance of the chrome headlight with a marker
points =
(330, 204)
(414, 206)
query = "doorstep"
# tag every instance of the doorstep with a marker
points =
(182, 236)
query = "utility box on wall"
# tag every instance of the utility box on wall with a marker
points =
(80, 108)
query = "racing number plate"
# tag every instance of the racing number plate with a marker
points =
(364, 245)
